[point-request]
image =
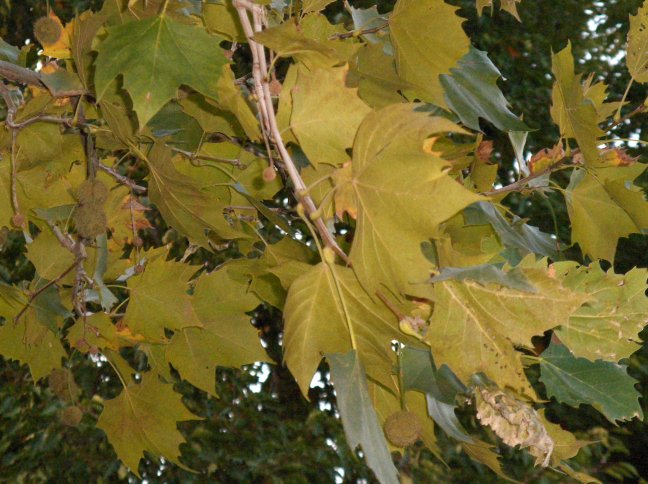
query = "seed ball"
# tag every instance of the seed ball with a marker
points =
(269, 174)
(18, 220)
(138, 242)
(47, 30)
(92, 191)
(402, 428)
(71, 416)
(90, 220)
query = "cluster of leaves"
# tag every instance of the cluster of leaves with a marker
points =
(375, 151)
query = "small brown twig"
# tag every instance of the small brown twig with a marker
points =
(638, 110)
(124, 180)
(357, 33)
(522, 182)
(22, 75)
(41, 290)
(198, 156)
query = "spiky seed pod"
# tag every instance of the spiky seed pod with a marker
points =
(90, 220)
(92, 191)
(71, 416)
(402, 428)
(48, 30)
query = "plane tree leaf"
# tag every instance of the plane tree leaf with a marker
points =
(575, 115)
(143, 418)
(156, 56)
(471, 91)
(604, 385)
(326, 114)
(607, 326)
(637, 57)
(358, 415)
(485, 274)
(604, 205)
(403, 193)
(433, 24)
(226, 338)
(159, 299)
(475, 328)
(327, 311)
(189, 206)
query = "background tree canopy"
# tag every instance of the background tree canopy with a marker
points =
(261, 428)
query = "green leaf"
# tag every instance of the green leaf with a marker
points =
(159, 299)
(571, 111)
(327, 311)
(326, 114)
(221, 18)
(603, 206)
(287, 40)
(434, 25)
(475, 328)
(8, 52)
(227, 337)
(604, 385)
(156, 56)
(186, 204)
(486, 274)
(607, 327)
(49, 258)
(471, 91)
(518, 235)
(142, 419)
(27, 341)
(637, 58)
(309, 6)
(358, 415)
(440, 387)
(403, 194)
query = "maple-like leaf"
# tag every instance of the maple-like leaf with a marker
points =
(327, 311)
(606, 327)
(159, 299)
(637, 58)
(144, 418)
(471, 91)
(403, 194)
(509, 6)
(227, 337)
(474, 327)
(433, 24)
(186, 204)
(571, 111)
(29, 340)
(603, 384)
(604, 205)
(156, 56)
(358, 416)
(326, 114)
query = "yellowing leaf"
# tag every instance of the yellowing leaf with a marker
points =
(159, 299)
(227, 337)
(326, 115)
(571, 111)
(603, 206)
(428, 41)
(608, 326)
(344, 196)
(156, 56)
(403, 194)
(189, 206)
(48, 257)
(144, 418)
(637, 58)
(474, 327)
(327, 311)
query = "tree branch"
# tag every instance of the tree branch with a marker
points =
(269, 121)
(124, 180)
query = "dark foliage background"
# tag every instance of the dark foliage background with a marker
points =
(273, 434)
